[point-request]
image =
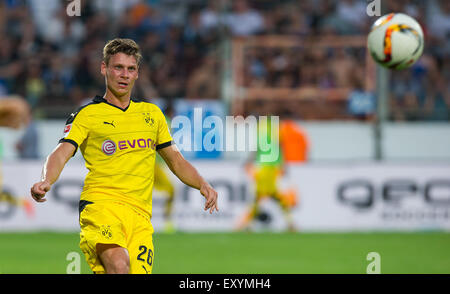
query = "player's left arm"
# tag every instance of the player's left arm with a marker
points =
(189, 175)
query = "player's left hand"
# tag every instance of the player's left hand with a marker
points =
(211, 197)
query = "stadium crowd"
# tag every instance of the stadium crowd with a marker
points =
(52, 59)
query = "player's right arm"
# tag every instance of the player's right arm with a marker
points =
(75, 132)
(53, 167)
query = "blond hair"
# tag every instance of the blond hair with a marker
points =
(119, 45)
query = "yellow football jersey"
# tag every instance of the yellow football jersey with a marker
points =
(119, 148)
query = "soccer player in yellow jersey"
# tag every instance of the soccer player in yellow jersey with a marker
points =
(118, 138)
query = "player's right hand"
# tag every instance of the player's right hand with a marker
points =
(39, 190)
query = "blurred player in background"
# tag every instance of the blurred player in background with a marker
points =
(294, 145)
(15, 113)
(164, 184)
(294, 142)
(118, 138)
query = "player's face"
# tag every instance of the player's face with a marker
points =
(120, 73)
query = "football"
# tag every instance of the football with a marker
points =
(396, 41)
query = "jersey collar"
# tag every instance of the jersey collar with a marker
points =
(100, 99)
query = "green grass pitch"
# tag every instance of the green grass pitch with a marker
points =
(253, 253)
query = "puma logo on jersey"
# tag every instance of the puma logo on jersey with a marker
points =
(109, 123)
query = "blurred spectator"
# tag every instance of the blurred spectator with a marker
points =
(256, 68)
(58, 78)
(285, 18)
(437, 102)
(35, 87)
(193, 30)
(204, 82)
(152, 50)
(10, 65)
(144, 86)
(210, 16)
(403, 6)
(64, 32)
(114, 8)
(244, 21)
(87, 70)
(28, 145)
(326, 19)
(43, 14)
(152, 20)
(344, 66)
(439, 26)
(353, 12)
(361, 103)
(404, 104)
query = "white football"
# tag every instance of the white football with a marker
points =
(396, 41)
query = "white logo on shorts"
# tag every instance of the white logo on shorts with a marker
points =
(109, 147)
